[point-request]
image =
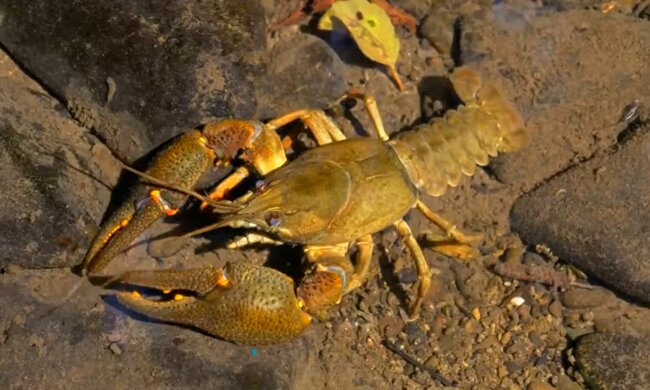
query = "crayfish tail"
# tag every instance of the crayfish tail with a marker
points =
(440, 153)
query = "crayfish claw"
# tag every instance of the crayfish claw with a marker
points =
(197, 280)
(243, 303)
(118, 233)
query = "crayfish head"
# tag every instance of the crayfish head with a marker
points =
(298, 204)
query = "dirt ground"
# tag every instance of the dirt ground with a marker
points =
(479, 328)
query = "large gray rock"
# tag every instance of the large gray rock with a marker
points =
(56, 179)
(302, 72)
(139, 73)
(597, 216)
(172, 64)
(570, 95)
(611, 361)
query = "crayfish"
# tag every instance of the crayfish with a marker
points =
(326, 200)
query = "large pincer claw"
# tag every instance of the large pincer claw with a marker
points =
(240, 302)
(181, 163)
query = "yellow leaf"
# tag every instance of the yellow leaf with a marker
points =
(369, 26)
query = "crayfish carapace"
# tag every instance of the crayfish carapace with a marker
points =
(337, 195)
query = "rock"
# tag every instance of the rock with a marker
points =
(57, 186)
(438, 28)
(555, 308)
(611, 361)
(598, 222)
(558, 86)
(138, 73)
(303, 72)
(581, 298)
(565, 383)
(537, 385)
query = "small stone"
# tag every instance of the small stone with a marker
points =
(588, 316)
(535, 339)
(555, 308)
(517, 301)
(565, 383)
(115, 348)
(487, 343)
(505, 339)
(575, 333)
(537, 385)
(513, 367)
(524, 313)
(581, 298)
(407, 275)
(471, 325)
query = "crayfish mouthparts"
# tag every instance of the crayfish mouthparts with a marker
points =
(240, 302)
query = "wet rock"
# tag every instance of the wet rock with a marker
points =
(438, 28)
(58, 187)
(599, 222)
(303, 72)
(611, 361)
(565, 383)
(139, 73)
(561, 101)
(537, 385)
(555, 308)
(581, 298)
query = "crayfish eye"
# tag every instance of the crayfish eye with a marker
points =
(260, 186)
(274, 218)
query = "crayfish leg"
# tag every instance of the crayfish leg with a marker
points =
(421, 265)
(448, 227)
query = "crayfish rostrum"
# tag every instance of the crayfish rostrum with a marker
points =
(326, 200)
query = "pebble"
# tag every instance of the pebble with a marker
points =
(471, 325)
(524, 313)
(505, 339)
(565, 383)
(588, 316)
(115, 349)
(487, 343)
(581, 298)
(535, 339)
(574, 333)
(537, 385)
(513, 367)
(555, 308)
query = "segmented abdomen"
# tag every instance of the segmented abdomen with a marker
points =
(437, 154)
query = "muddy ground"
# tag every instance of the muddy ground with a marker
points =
(577, 197)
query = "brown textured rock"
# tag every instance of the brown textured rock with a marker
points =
(611, 361)
(138, 73)
(597, 216)
(584, 97)
(56, 186)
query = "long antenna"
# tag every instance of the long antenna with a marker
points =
(218, 206)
